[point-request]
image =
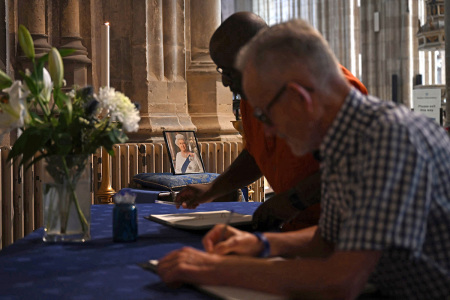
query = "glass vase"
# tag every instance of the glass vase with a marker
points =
(67, 198)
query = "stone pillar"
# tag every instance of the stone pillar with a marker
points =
(389, 51)
(426, 76)
(158, 61)
(357, 34)
(32, 15)
(447, 64)
(369, 47)
(75, 64)
(209, 102)
(170, 41)
(433, 67)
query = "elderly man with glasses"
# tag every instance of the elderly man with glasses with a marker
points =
(385, 215)
(295, 180)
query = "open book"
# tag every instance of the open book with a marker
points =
(201, 220)
(224, 292)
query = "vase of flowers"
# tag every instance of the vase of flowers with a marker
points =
(63, 127)
(67, 201)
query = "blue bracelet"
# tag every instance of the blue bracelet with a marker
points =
(266, 245)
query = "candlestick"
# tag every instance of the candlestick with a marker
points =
(105, 192)
(105, 56)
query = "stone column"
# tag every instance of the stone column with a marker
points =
(369, 45)
(357, 34)
(32, 15)
(75, 64)
(388, 52)
(170, 36)
(433, 67)
(158, 61)
(447, 65)
(426, 75)
(209, 102)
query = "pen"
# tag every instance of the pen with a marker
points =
(224, 230)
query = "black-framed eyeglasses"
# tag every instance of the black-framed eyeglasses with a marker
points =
(261, 114)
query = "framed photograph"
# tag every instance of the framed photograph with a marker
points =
(184, 152)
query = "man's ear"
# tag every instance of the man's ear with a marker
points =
(303, 94)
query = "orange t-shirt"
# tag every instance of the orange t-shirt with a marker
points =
(273, 156)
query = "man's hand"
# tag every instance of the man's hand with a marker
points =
(273, 212)
(230, 241)
(193, 195)
(188, 265)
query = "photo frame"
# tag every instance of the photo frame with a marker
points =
(184, 152)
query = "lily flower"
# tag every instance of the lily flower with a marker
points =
(26, 42)
(13, 113)
(48, 86)
(56, 67)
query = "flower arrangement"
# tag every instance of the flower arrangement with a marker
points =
(58, 124)
(55, 122)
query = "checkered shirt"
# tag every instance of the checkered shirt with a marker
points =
(386, 186)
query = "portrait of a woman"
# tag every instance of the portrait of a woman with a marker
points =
(186, 161)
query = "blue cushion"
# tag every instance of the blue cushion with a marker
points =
(170, 182)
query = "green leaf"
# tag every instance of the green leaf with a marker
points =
(5, 80)
(62, 52)
(39, 71)
(66, 52)
(31, 84)
(31, 141)
(43, 59)
(64, 104)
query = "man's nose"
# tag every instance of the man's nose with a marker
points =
(226, 81)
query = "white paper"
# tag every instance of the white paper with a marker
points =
(201, 220)
(229, 293)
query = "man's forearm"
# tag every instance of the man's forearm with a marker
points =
(341, 276)
(305, 243)
(243, 171)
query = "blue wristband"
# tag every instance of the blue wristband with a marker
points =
(266, 246)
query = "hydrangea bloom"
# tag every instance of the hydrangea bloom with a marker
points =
(119, 108)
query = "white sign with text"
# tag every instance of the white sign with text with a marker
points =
(428, 102)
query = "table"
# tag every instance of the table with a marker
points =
(100, 268)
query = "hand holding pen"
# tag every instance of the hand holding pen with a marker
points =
(224, 239)
(224, 230)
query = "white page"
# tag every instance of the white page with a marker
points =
(229, 293)
(201, 220)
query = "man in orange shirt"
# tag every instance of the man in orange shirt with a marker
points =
(295, 180)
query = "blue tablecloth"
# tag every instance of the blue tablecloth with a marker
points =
(100, 268)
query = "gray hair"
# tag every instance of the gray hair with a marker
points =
(284, 46)
(178, 137)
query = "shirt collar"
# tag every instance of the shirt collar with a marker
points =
(333, 144)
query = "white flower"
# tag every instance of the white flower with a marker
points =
(119, 108)
(48, 86)
(13, 113)
(71, 94)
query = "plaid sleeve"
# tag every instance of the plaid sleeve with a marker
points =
(393, 193)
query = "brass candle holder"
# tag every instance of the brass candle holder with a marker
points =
(105, 191)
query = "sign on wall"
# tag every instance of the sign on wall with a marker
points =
(428, 102)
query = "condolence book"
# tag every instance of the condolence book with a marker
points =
(201, 220)
(223, 292)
